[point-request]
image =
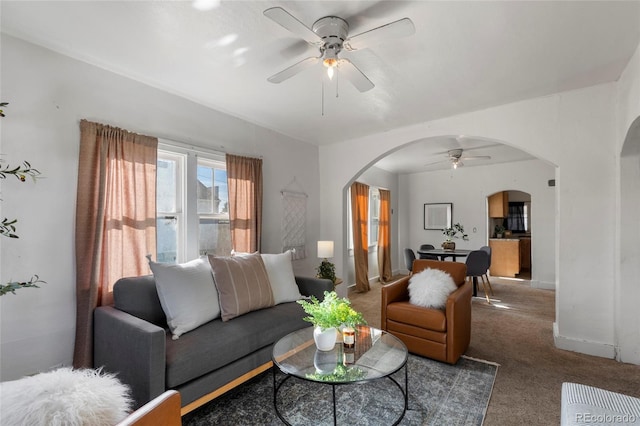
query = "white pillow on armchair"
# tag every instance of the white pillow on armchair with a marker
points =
(430, 288)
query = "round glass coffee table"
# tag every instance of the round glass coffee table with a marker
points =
(375, 355)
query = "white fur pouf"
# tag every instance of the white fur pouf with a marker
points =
(65, 397)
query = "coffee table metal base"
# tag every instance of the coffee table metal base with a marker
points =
(404, 392)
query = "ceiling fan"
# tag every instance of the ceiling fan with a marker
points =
(456, 159)
(331, 35)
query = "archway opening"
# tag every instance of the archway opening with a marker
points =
(509, 217)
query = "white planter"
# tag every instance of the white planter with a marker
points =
(325, 339)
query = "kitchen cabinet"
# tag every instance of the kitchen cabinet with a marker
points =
(525, 253)
(499, 204)
(505, 257)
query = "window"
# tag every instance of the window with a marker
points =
(374, 213)
(517, 218)
(169, 212)
(214, 233)
(192, 205)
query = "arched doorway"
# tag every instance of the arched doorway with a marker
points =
(509, 217)
(628, 291)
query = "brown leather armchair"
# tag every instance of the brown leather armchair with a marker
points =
(443, 335)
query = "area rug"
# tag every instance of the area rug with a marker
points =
(439, 394)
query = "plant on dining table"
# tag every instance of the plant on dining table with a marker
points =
(452, 232)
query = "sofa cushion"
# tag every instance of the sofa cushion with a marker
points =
(242, 283)
(217, 343)
(280, 272)
(430, 288)
(187, 294)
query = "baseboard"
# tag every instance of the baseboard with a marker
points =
(545, 285)
(602, 350)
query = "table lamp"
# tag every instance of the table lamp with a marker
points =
(326, 269)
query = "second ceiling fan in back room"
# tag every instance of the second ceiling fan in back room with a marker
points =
(331, 35)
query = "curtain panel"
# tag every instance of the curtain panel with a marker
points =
(244, 182)
(384, 236)
(115, 220)
(515, 219)
(360, 222)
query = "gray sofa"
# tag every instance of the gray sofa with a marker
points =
(131, 338)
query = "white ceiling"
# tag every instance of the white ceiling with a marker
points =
(464, 56)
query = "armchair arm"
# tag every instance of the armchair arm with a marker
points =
(163, 410)
(395, 292)
(132, 348)
(458, 314)
(311, 286)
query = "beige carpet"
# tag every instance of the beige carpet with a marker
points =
(516, 331)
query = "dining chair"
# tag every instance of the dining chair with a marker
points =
(427, 256)
(409, 257)
(477, 265)
(486, 275)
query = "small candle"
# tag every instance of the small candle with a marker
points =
(348, 337)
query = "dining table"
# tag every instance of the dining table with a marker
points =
(443, 254)
(456, 253)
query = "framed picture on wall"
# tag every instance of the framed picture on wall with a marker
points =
(438, 216)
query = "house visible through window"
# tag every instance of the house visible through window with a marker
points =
(192, 205)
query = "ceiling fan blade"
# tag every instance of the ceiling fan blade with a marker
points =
(293, 70)
(433, 163)
(354, 75)
(400, 28)
(291, 23)
(476, 157)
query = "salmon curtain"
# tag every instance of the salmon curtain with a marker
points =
(244, 182)
(360, 225)
(384, 236)
(115, 220)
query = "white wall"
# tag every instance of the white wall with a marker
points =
(49, 94)
(575, 131)
(467, 188)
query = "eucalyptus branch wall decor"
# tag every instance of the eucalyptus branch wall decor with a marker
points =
(8, 226)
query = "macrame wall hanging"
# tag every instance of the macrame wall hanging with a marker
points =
(294, 219)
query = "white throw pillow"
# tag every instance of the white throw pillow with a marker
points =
(187, 294)
(281, 277)
(431, 288)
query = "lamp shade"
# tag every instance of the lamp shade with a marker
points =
(325, 249)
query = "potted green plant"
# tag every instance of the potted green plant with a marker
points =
(327, 270)
(327, 316)
(456, 231)
(499, 230)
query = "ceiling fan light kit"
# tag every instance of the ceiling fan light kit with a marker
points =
(331, 34)
(456, 159)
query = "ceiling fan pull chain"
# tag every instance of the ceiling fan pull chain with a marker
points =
(322, 97)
